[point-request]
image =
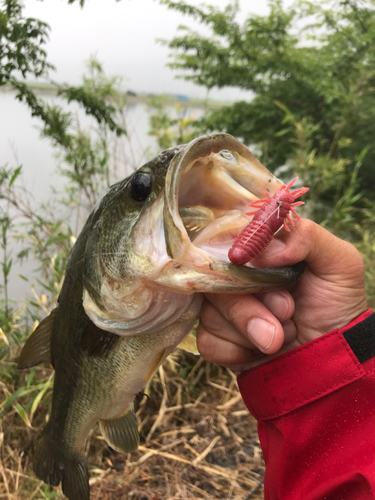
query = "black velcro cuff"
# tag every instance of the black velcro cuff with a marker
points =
(361, 339)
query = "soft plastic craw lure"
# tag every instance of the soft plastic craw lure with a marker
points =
(272, 212)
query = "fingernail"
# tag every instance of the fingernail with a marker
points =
(261, 332)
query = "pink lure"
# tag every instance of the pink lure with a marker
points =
(272, 212)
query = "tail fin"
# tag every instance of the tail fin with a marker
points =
(54, 465)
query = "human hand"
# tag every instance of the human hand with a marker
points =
(240, 331)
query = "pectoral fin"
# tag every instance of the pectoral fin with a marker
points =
(189, 343)
(97, 342)
(38, 346)
(121, 433)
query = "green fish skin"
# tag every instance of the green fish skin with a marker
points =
(133, 290)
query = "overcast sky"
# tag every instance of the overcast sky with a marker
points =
(123, 36)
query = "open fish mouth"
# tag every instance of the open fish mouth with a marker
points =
(209, 186)
(177, 243)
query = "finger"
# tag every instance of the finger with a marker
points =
(324, 253)
(214, 322)
(290, 331)
(252, 319)
(224, 352)
(279, 303)
(331, 291)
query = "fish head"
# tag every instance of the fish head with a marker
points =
(164, 233)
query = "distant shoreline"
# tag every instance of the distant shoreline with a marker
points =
(142, 98)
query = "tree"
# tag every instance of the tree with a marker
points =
(83, 155)
(22, 55)
(316, 60)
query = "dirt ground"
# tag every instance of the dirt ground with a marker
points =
(198, 441)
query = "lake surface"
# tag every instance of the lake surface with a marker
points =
(21, 144)
(20, 141)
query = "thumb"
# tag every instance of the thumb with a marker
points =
(326, 255)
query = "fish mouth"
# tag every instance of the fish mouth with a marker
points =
(209, 187)
(181, 240)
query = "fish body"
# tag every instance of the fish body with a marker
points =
(133, 289)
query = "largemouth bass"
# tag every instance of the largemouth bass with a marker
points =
(133, 289)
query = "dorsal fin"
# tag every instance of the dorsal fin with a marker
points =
(37, 348)
(97, 342)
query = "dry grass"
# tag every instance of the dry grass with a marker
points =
(198, 441)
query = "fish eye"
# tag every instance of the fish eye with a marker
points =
(140, 187)
(226, 154)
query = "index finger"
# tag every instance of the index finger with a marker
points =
(251, 318)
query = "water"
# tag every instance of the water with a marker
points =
(21, 144)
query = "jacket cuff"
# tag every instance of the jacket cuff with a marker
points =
(309, 371)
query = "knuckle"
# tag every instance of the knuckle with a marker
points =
(235, 310)
(357, 257)
(306, 232)
(211, 319)
(205, 344)
(357, 263)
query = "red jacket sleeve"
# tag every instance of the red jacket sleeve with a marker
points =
(315, 407)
